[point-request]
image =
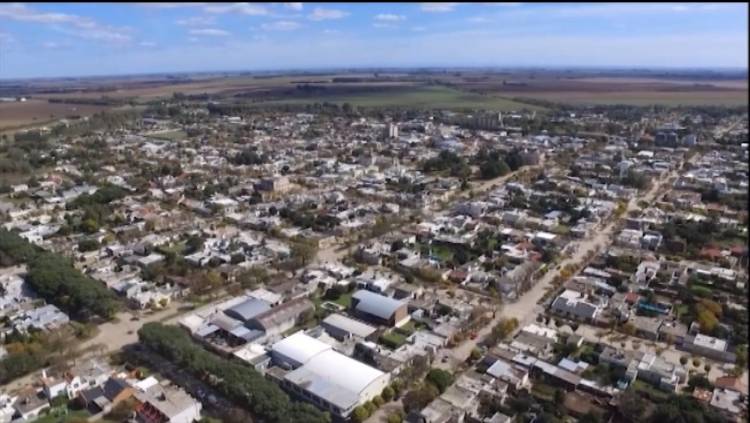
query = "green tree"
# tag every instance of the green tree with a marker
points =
(440, 378)
(387, 394)
(360, 414)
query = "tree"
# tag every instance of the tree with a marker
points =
(387, 394)
(699, 381)
(418, 398)
(304, 251)
(360, 414)
(238, 383)
(440, 378)
(378, 401)
(631, 405)
(395, 418)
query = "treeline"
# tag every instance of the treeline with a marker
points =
(55, 279)
(102, 101)
(242, 384)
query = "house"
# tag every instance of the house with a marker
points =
(708, 346)
(163, 403)
(379, 308)
(514, 376)
(28, 406)
(573, 304)
(6, 408)
(728, 401)
(104, 398)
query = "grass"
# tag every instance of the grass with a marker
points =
(392, 339)
(62, 415)
(649, 391)
(345, 299)
(424, 97)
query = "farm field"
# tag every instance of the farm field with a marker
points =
(19, 114)
(427, 97)
(645, 98)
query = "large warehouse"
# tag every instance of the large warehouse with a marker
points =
(330, 380)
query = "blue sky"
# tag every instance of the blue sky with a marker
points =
(38, 40)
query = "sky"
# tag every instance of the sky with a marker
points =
(79, 39)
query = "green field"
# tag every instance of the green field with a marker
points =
(422, 97)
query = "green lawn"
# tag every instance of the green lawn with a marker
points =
(424, 97)
(392, 339)
(59, 415)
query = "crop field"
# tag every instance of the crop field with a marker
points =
(645, 98)
(19, 114)
(423, 97)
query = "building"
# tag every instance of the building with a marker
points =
(342, 327)
(248, 309)
(328, 379)
(573, 304)
(708, 346)
(162, 403)
(379, 309)
(280, 319)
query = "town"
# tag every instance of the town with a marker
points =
(211, 261)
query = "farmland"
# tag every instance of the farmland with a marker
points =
(421, 97)
(19, 114)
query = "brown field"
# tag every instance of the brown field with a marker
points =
(560, 87)
(19, 114)
(645, 98)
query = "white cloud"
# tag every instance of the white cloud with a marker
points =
(210, 32)
(320, 14)
(383, 25)
(680, 8)
(389, 17)
(197, 21)
(438, 7)
(280, 26)
(241, 8)
(294, 6)
(79, 26)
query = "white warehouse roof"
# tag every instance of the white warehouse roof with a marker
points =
(335, 377)
(300, 347)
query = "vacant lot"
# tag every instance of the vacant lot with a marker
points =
(422, 97)
(30, 112)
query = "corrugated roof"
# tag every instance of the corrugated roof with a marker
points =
(349, 325)
(248, 309)
(299, 347)
(376, 305)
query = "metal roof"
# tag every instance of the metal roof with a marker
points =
(248, 309)
(349, 325)
(376, 305)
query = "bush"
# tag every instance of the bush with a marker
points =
(395, 418)
(683, 360)
(378, 401)
(388, 394)
(370, 407)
